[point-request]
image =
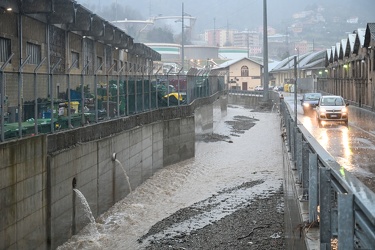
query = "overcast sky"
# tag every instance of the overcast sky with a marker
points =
(236, 14)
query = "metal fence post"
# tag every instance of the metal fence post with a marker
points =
(51, 94)
(156, 88)
(83, 121)
(305, 170)
(69, 97)
(127, 89)
(20, 96)
(345, 221)
(118, 91)
(107, 76)
(288, 130)
(168, 85)
(95, 93)
(292, 142)
(325, 206)
(143, 89)
(313, 187)
(178, 87)
(2, 97)
(298, 152)
(36, 96)
(150, 88)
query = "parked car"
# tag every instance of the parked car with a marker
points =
(309, 101)
(258, 88)
(332, 109)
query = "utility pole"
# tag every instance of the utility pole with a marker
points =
(248, 44)
(214, 31)
(182, 40)
(295, 90)
(265, 53)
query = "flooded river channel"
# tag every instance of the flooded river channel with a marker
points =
(235, 166)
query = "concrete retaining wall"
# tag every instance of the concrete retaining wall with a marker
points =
(89, 167)
(23, 178)
(245, 100)
(38, 174)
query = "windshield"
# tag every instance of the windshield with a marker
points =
(332, 101)
(312, 97)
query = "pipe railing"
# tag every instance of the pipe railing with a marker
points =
(342, 206)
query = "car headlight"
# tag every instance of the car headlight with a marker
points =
(323, 110)
(344, 110)
(305, 104)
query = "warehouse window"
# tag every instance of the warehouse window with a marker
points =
(99, 62)
(34, 51)
(75, 56)
(4, 49)
(115, 67)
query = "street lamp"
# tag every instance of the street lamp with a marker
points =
(182, 36)
(335, 78)
(265, 53)
(297, 49)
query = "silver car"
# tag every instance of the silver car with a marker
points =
(332, 109)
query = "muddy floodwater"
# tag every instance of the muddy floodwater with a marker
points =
(228, 197)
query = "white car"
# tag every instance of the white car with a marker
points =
(258, 88)
(332, 109)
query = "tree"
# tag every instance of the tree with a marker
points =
(160, 35)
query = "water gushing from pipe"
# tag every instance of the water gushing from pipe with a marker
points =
(92, 227)
(126, 176)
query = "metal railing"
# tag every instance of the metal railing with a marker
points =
(46, 103)
(342, 206)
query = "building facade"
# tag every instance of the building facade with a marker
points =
(242, 74)
(71, 42)
(350, 65)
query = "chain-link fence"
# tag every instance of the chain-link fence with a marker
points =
(35, 103)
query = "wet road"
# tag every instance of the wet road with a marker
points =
(352, 147)
(240, 163)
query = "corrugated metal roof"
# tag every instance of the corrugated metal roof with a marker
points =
(337, 50)
(231, 62)
(333, 49)
(328, 53)
(370, 34)
(305, 61)
(343, 47)
(351, 38)
(371, 27)
(361, 35)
